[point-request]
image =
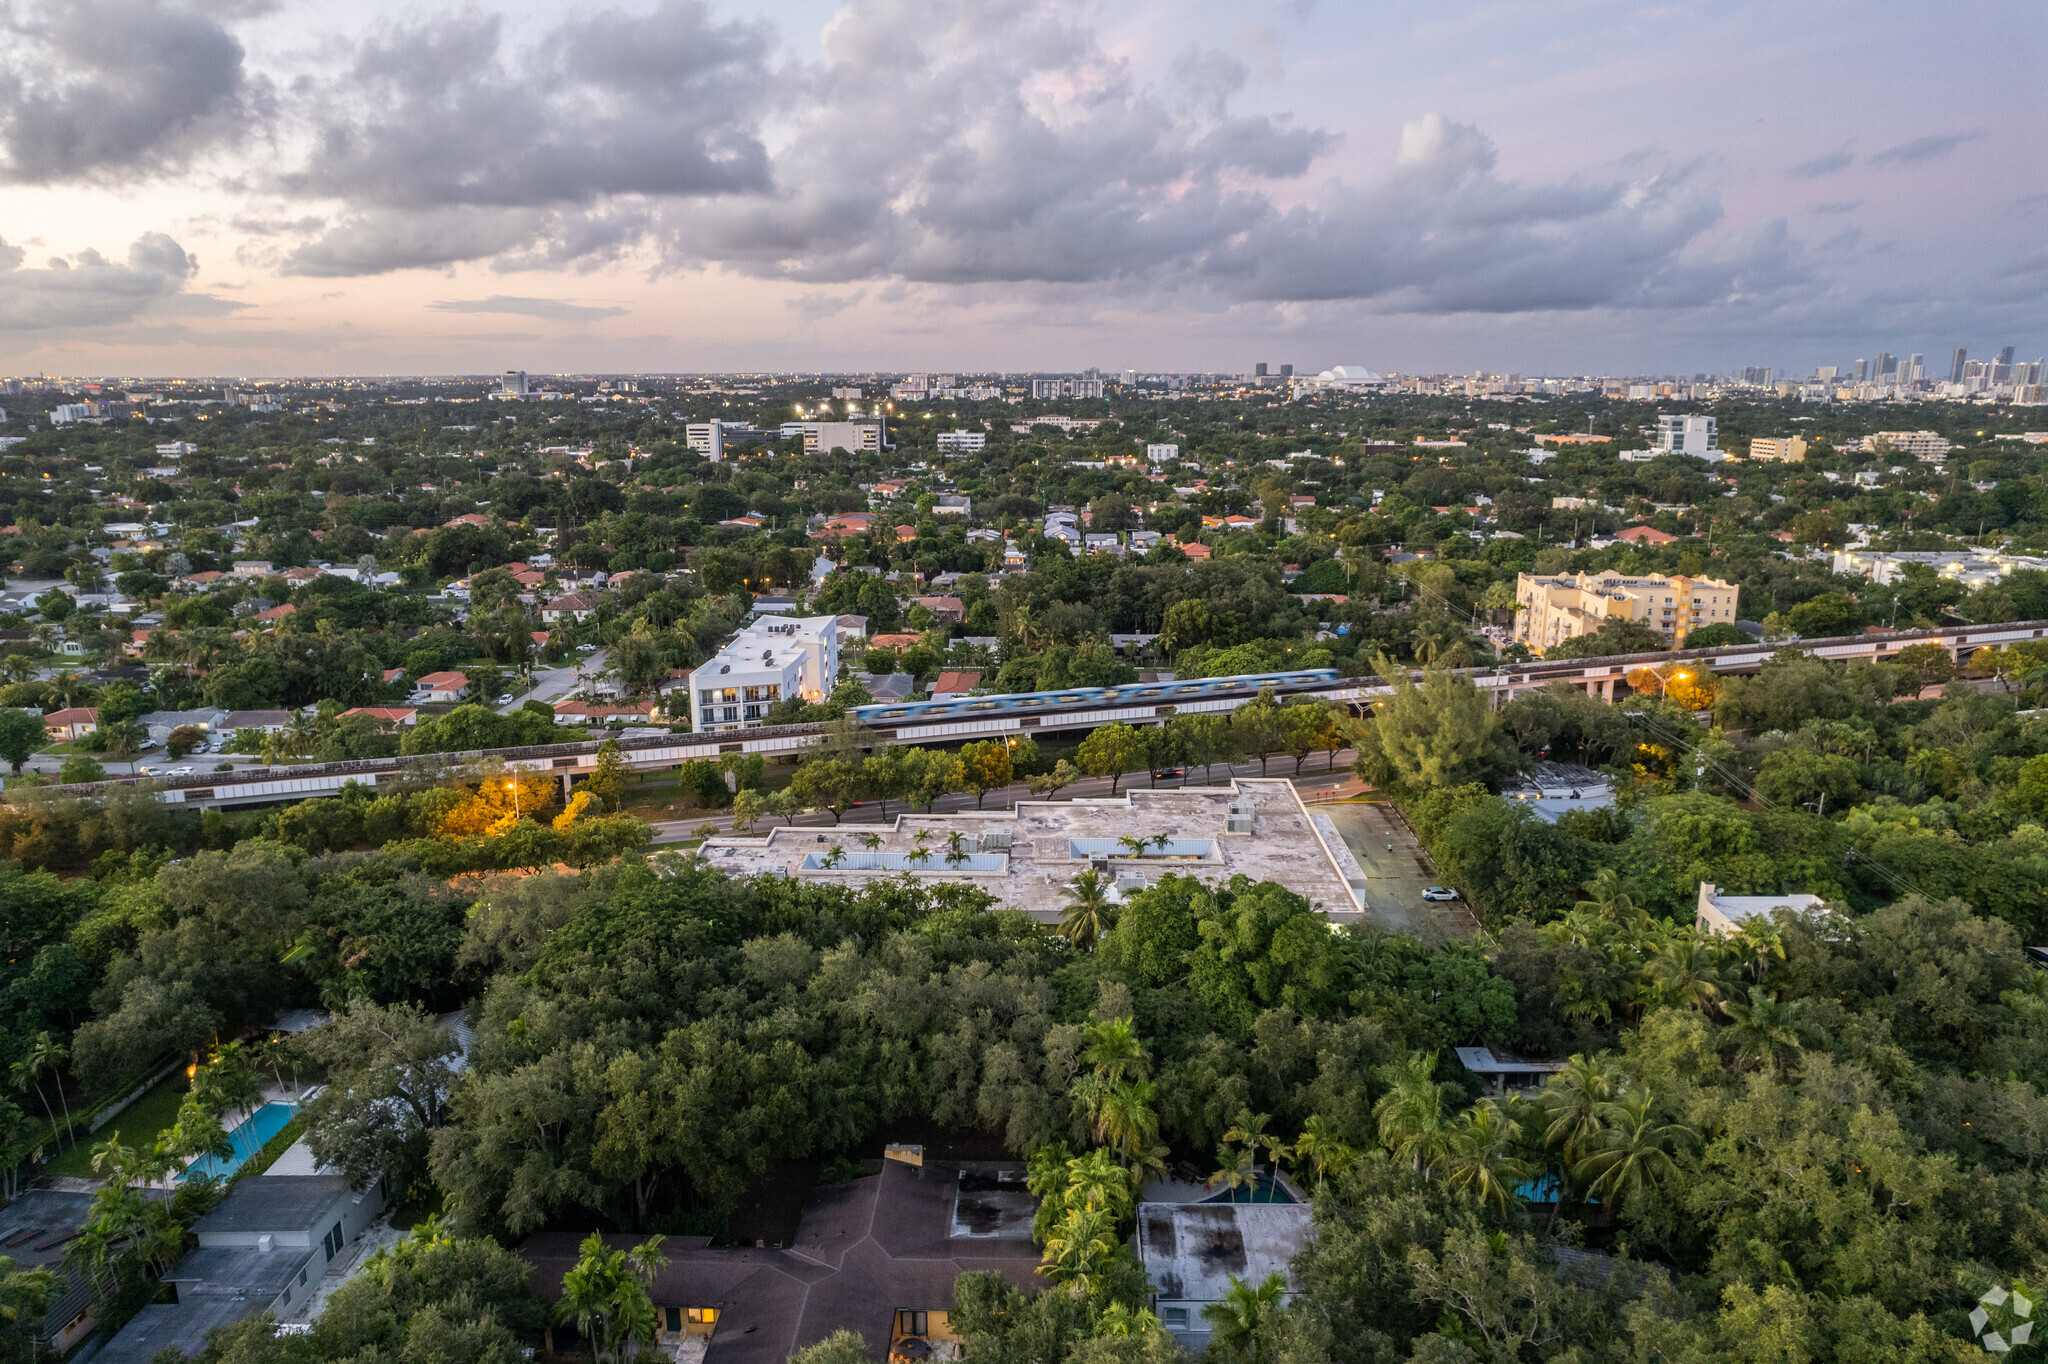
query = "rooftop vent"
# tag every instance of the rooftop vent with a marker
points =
(1239, 820)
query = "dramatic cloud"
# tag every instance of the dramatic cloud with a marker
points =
(552, 308)
(1926, 148)
(94, 89)
(448, 147)
(89, 290)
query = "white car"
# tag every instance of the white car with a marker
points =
(1439, 893)
(178, 772)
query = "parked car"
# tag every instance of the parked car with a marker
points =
(1439, 893)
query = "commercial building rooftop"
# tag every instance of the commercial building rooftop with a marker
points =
(1255, 827)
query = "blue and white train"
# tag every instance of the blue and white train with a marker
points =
(894, 713)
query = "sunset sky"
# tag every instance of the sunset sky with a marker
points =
(242, 187)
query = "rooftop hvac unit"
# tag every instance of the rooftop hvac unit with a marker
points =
(1239, 821)
(996, 840)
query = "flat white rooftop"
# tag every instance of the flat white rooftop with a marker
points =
(1255, 827)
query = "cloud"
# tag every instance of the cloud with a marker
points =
(1833, 163)
(1926, 148)
(1264, 46)
(447, 143)
(551, 308)
(89, 290)
(98, 90)
(1835, 208)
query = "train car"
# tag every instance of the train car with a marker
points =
(897, 713)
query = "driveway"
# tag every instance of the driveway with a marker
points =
(553, 683)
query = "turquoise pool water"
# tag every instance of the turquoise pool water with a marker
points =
(247, 1137)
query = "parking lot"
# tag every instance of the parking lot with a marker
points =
(1395, 878)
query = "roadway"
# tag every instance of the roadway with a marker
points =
(550, 684)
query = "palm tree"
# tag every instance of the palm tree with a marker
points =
(1115, 1051)
(28, 1075)
(1756, 943)
(871, 841)
(1764, 1026)
(1411, 1117)
(1573, 1099)
(1607, 898)
(956, 850)
(1133, 844)
(1685, 971)
(1089, 913)
(1320, 1145)
(47, 1057)
(1627, 1155)
(1078, 1248)
(1119, 1320)
(1481, 1155)
(1126, 1119)
(1099, 1182)
(1244, 1319)
(833, 858)
(1235, 1169)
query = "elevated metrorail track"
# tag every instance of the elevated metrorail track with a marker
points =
(1060, 711)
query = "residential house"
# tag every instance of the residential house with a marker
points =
(251, 568)
(159, 724)
(72, 722)
(1102, 544)
(1194, 1253)
(952, 506)
(387, 717)
(571, 606)
(945, 610)
(1727, 915)
(37, 1228)
(1645, 535)
(771, 660)
(440, 688)
(262, 721)
(955, 686)
(266, 1248)
(276, 614)
(584, 713)
(1195, 550)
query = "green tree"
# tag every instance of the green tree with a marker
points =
(1110, 751)
(1413, 1122)
(1246, 1320)
(21, 734)
(1089, 913)
(605, 1294)
(608, 780)
(1442, 733)
(1629, 1155)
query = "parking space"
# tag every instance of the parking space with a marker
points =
(1397, 871)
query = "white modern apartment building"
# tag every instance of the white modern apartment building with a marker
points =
(864, 437)
(1162, 454)
(773, 659)
(1791, 448)
(1696, 436)
(964, 441)
(1922, 445)
(1086, 387)
(706, 438)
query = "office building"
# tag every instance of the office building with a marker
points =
(964, 442)
(1695, 436)
(1860, 371)
(776, 658)
(1161, 454)
(851, 395)
(1887, 365)
(1555, 608)
(1083, 387)
(1916, 369)
(1779, 447)
(2001, 369)
(1259, 370)
(513, 384)
(1959, 358)
(855, 437)
(706, 438)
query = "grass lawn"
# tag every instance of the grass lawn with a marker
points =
(138, 1125)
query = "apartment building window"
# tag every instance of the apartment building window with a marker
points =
(754, 712)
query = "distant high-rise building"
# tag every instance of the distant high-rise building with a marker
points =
(1826, 373)
(1887, 365)
(513, 385)
(1957, 359)
(1697, 436)
(1287, 371)
(1916, 369)
(1259, 370)
(2001, 369)
(1861, 371)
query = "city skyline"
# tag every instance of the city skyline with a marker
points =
(277, 189)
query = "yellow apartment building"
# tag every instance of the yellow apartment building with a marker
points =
(1555, 608)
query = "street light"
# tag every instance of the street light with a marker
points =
(513, 787)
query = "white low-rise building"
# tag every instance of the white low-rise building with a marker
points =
(774, 659)
(1726, 914)
(965, 441)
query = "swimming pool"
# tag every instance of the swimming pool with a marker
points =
(247, 1137)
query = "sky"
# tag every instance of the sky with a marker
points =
(280, 187)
